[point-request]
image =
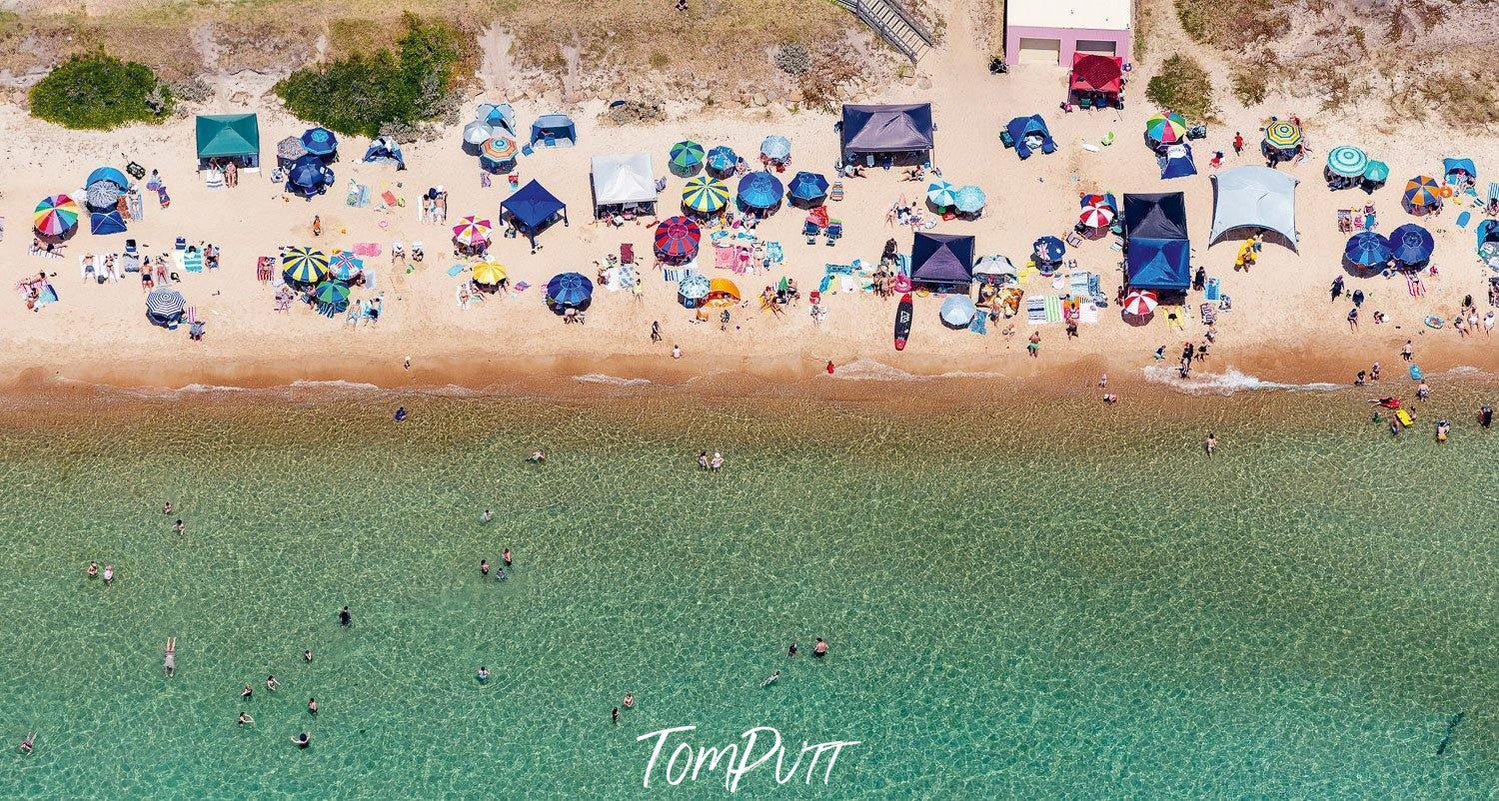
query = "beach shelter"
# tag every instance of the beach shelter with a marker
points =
(471, 232)
(1176, 161)
(496, 116)
(807, 188)
(1488, 241)
(104, 223)
(229, 136)
(475, 134)
(686, 157)
(488, 275)
(308, 176)
(568, 291)
(55, 219)
(1368, 250)
(943, 262)
(1282, 140)
(900, 129)
(1157, 251)
(385, 150)
(1459, 171)
(1421, 194)
(554, 130)
(320, 142)
(533, 208)
(941, 194)
(995, 269)
(332, 297)
(621, 180)
(970, 199)
(164, 306)
(759, 191)
(705, 195)
(1094, 73)
(303, 266)
(692, 290)
(498, 154)
(1165, 128)
(1256, 198)
(676, 240)
(103, 187)
(1411, 246)
(776, 149)
(722, 159)
(722, 293)
(1347, 163)
(957, 311)
(1029, 135)
(288, 150)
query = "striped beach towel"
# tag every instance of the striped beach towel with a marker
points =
(1035, 310)
(672, 276)
(1053, 309)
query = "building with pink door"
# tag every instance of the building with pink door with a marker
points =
(1050, 31)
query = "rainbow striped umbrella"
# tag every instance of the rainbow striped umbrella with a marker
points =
(499, 148)
(687, 156)
(705, 194)
(1167, 128)
(677, 239)
(1422, 191)
(1283, 135)
(471, 231)
(56, 216)
(489, 273)
(1347, 161)
(303, 265)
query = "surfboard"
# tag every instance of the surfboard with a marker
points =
(903, 312)
(1405, 418)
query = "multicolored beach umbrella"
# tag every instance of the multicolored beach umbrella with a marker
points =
(722, 159)
(776, 148)
(677, 239)
(56, 216)
(489, 273)
(759, 190)
(1347, 161)
(686, 156)
(1376, 172)
(808, 186)
(498, 149)
(1141, 303)
(301, 265)
(471, 231)
(1167, 128)
(941, 194)
(569, 290)
(165, 303)
(1097, 217)
(1411, 245)
(1420, 192)
(344, 266)
(1368, 249)
(1049, 249)
(333, 293)
(705, 194)
(320, 142)
(1283, 135)
(970, 199)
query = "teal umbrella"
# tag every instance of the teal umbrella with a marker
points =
(686, 156)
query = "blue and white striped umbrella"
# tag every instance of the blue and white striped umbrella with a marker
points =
(165, 302)
(941, 194)
(1347, 161)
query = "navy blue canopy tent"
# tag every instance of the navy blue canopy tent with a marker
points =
(103, 223)
(904, 128)
(1158, 254)
(554, 130)
(942, 261)
(532, 208)
(1033, 127)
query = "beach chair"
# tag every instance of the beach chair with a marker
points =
(811, 231)
(835, 194)
(1006, 140)
(834, 231)
(1108, 139)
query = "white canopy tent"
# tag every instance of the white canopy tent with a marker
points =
(1254, 197)
(622, 180)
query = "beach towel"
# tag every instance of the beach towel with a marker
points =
(774, 254)
(522, 286)
(672, 276)
(1053, 309)
(1077, 283)
(1088, 314)
(846, 284)
(455, 270)
(366, 249)
(839, 269)
(978, 325)
(1462, 220)
(903, 264)
(1212, 289)
(389, 198)
(213, 179)
(724, 259)
(192, 261)
(1035, 310)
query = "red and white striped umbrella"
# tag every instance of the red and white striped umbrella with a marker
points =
(1097, 217)
(1140, 303)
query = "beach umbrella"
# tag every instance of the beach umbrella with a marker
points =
(1421, 191)
(301, 265)
(109, 174)
(1098, 199)
(722, 159)
(1096, 217)
(102, 194)
(1283, 135)
(776, 148)
(808, 186)
(692, 290)
(477, 133)
(1411, 245)
(56, 216)
(165, 303)
(970, 199)
(677, 239)
(941, 194)
(569, 290)
(958, 310)
(1141, 302)
(686, 156)
(705, 194)
(1347, 161)
(722, 292)
(759, 190)
(1376, 172)
(344, 266)
(471, 231)
(1049, 249)
(498, 149)
(320, 142)
(994, 266)
(290, 149)
(333, 293)
(1166, 128)
(1368, 249)
(489, 273)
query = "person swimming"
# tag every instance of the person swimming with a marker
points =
(169, 659)
(482, 675)
(271, 683)
(771, 679)
(629, 700)
(486, 517)
(302, 740)
(484, 568)
(345, 618)
(400, 414)
(245, 719)
(29, 744)
(537, 456)
(92, 571)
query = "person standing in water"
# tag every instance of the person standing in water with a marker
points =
(180, 528)
(484, 568)
(302, 740)
(307, 656)
(820, 650)
(791, 652)
(1210, 444)
(1486, 415)
(614, 716)
(505, 555)
(92, 571)
(109, 574)
(487, 516)
(345, 618)
(312, 706)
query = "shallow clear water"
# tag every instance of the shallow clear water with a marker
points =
(1083, 606)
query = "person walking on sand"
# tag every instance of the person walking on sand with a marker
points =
(1407, 350)
(1210, 444)
(1374, 372)
(1337, 287)
(317, 225)
(1033, 345)
(676, 351)
(655, 331)
(1353, 319)
(1238, 144)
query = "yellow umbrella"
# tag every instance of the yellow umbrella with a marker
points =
(722, 292)
(489, 273)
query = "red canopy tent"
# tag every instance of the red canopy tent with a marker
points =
(1095, 73)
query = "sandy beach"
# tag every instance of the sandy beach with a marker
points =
(1282, 325)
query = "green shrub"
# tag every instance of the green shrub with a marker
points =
(1250, 86)
(358, 94)
(100, 92)
(1184, 87)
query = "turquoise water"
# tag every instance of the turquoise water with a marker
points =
(1085, 606)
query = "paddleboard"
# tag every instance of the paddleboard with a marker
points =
(903, 312)
(1405, 418)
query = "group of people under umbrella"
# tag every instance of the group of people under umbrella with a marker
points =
(758, 193)
(1408, 247)
(1349, 166)
(966, 201)
(326, 279)
(305, 160)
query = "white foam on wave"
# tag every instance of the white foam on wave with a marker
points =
(871, 370)
(333, 384)
(1226, 383)
(610, 380)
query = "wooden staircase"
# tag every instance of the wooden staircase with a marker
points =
(893, 24)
